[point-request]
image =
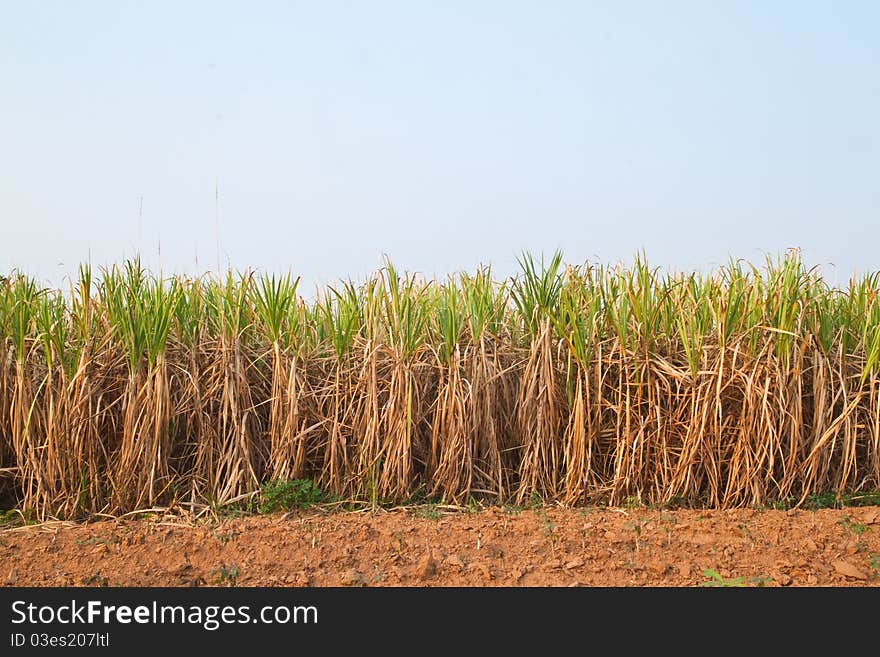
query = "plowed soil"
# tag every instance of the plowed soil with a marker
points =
(431, 547)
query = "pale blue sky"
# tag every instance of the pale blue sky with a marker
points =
(445, 134)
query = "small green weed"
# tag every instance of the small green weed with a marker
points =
(856, 528)
(549, 527)
(289, 495)
(785, 503)
(11, 518)
(429, 511)
(633, 502)
(840, 501)
(227, 575)
(535, 501)
(714, 579)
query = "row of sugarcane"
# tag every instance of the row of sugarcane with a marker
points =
(571, 384)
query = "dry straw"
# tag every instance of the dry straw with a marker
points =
(573, 384)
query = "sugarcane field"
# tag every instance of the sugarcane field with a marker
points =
(569, 424)
(394, 323)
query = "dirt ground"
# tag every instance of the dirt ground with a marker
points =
(430, 546)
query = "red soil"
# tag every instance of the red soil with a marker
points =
(431, 547)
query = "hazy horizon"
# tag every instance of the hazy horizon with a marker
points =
(318, 138)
